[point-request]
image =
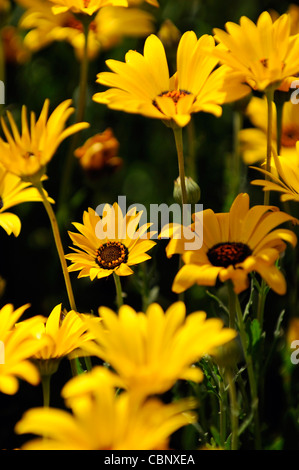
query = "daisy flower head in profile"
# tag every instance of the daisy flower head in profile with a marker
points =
(27, 154)
(85, 7)
(283, 177)
(106, 29)
(266, 53)
(142, 84)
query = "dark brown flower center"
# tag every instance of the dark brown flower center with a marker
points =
(265, 63)
(229, 253)
(289, 135)
(175, 95)
(74, 23)
(1, 203)
(111, 254)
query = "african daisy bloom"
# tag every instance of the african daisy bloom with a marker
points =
(83, 388)
(107, 28)
(27, 154)
(150, 351)
(59, 335)
(108, 421)
(86, 7)
(253, 141)
(266, 53)
(109, 244)
(142, 84)
(235, 243)
(16, 349)
(13, 191)
(283, 178)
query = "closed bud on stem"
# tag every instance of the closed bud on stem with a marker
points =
(229, 354)
(192, 189)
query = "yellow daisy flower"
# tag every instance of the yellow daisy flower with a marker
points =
(5, 6)
(16, 349)
(109, 244)
(106, 30)
(154, 3)
(253, 141)
(151, 351)
(83, 388)
(142, 84)
(109, 421)
(283, 178)
(266, 53)
(234, 244)
(27, 155)
(58, 336)
(13, 191)
(87, 7)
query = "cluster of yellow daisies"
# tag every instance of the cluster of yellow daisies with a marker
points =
(119, 404)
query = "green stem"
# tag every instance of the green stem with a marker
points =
(270, 98)
(59, 246)
(261, 303)
(251, 374)
(237, 125)
(46, 379)
(231, 305)
(178, 136)
(279, 113)
(119, 294)
(234, 410)
(2, 68)
(222, 413)
(191, 164)
(65, 181)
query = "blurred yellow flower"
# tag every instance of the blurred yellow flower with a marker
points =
(109, 244)
(16, 348)
(235, 243)
(266, 53)
(13, 191)
(253, 141)
(99, 154)
(151, 351)
(27, 154)
(15, 51)
(86, 7)
(83, 388)
(5, 6)
(142, 84)
(283, 178)
(292, 333)
(106, 30)
(107, 421)
(58, 336)
(154, 3)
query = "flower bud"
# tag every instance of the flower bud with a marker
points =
(169, 34)
(98, 154)
(192, 190)
(229, 354)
